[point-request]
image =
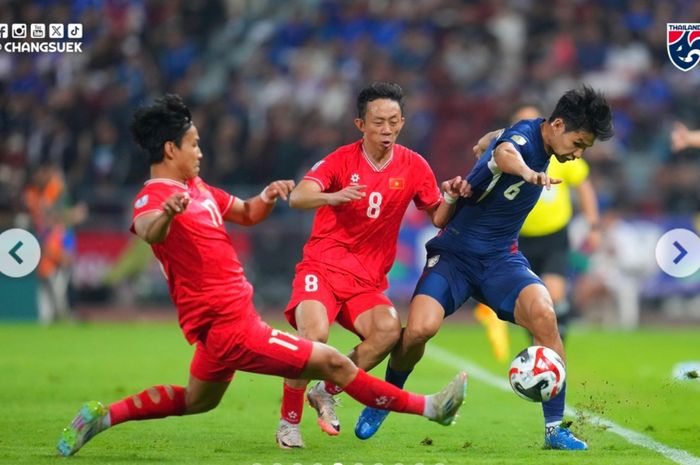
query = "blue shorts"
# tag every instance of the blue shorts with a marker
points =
(495, 281)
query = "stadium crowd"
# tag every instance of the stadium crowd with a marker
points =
(271, 86)
(272, 83)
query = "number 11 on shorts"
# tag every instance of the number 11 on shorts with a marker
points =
(274, 339)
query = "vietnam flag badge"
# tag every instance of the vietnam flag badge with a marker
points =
(396, 183)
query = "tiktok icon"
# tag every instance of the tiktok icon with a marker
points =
(75, 31)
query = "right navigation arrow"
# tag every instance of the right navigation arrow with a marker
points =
(682, 253)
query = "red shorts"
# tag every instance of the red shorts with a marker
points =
(343, 294)
(254, 347)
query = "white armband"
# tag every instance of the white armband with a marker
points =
(449, 200)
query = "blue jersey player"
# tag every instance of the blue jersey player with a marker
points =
(476, 254)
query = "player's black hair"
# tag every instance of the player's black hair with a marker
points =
(166, 119)
(377, 90)
(587, 110)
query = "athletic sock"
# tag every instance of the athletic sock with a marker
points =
(553, 409)
(397, 378)
(331, 388)
(376, 393)
(292, 404)
(154, 402)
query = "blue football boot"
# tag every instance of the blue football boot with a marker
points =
(369, 421)
(561, 438)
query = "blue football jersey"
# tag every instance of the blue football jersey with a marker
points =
(489, 221)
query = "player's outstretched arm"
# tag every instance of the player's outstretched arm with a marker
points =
(256, 209)
(509, 160)
(308, 195)
(154, 227)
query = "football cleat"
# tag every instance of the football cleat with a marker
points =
(561, 438)
(87, 423)
(447, 402)
(369, 421)
(324, 404)
(289, 436)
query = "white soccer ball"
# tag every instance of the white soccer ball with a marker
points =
(537, 374)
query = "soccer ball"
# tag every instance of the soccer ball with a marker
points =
(537, 374)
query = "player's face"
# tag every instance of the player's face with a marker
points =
(569, 145)
(382, 124)
(188, 155)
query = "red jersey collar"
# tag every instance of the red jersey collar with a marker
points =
(369, 159)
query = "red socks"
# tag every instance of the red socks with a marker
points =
(154, 402)
(376, 393)
(292, 404)
(331, 388)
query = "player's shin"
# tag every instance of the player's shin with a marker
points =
(553, 409)
(376, 393)
(396, 377)
(154, 402)
(292, 404)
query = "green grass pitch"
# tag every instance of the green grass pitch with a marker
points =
(46, 373)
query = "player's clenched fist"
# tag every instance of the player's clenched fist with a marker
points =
(176, 203)
(457, 187)
(276, 189)
(346, 195)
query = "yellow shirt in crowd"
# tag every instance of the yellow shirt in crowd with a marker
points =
(553, 210)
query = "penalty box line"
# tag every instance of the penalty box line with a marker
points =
(474, 371)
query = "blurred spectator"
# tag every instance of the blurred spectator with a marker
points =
(272, 81)
(52, 219)
(466, 58)
(625, 259)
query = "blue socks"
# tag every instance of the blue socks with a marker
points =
(397, 378)
(554, 409)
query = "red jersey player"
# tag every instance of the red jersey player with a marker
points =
(362, 191)
(183, 219)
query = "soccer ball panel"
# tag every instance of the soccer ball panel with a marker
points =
(537, 374)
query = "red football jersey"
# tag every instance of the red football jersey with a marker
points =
(360, 236)
(200, 264)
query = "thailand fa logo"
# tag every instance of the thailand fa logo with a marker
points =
(683, 44)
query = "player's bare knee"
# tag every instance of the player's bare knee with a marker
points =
(420, 333)
(314, 332)
(335, 362)
(544, 323)
(385, 333)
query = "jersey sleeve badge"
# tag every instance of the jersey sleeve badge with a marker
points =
(141, 201)
(518, 139)
(432, 261)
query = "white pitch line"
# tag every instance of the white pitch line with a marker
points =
(475, 371)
